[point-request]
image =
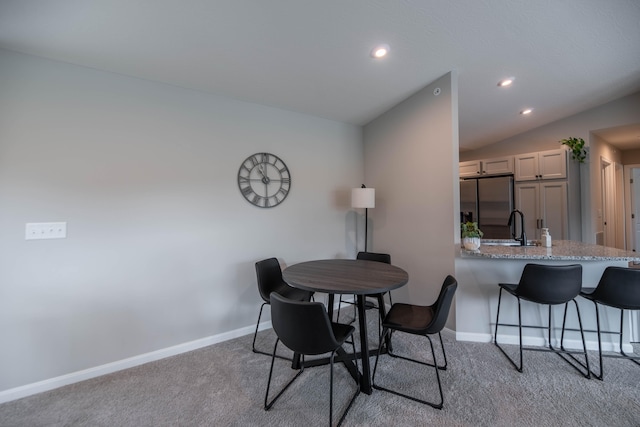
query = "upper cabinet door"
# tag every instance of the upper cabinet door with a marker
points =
(476, 168)
(470, 169)
(527, 167)
(498, 166)
(551, 164)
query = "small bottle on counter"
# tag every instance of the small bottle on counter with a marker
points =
(545, 239)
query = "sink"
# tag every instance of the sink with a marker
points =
(507, 243)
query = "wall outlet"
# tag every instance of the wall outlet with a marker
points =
(45, 230)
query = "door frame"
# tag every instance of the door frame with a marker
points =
(631, 243)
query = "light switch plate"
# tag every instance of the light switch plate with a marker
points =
(45, 230)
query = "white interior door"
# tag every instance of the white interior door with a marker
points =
(635, 202)
(608, 203)
(619, 215)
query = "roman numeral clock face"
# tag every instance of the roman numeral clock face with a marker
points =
(264, 180)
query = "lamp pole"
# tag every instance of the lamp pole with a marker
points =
(366, 227)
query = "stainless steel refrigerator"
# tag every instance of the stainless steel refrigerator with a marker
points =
(489, 202)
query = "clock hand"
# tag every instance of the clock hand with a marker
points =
(263, 171)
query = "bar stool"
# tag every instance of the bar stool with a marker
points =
(619, 287)
(548, 285)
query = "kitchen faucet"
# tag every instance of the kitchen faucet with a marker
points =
(523, 237)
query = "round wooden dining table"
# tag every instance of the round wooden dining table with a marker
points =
(349, 276)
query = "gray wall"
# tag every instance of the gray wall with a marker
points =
(411, 158)
(631, 157)
(161, 245)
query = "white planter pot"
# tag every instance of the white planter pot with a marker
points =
(471, 243)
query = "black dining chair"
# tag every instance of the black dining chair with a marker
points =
(547, 285)
(619, 287)
(369, 256)
(305, 328)
(423, 321)
(269, 276)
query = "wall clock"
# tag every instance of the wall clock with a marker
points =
(264, 180)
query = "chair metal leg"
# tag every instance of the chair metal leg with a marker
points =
(267, 404)
(495, 337)
(439, 405)
(634, 359)
(355, 310)
(444, 356)
(620, 335)
(357, 392)
(331, 388)
(570, 353)
(598, 331)
(255, 335)
(560, 352)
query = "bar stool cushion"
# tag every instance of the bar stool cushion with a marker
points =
(546, 284)
(618, 287)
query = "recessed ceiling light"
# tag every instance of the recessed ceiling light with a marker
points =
(380, 51)
(526, 111)
(505, 82)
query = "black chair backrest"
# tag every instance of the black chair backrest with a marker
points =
(373, 256)
(619, 287)
(303, 327)
(550, 284)
(442, 305)
(269, 277)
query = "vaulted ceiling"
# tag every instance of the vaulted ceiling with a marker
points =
(314, 56)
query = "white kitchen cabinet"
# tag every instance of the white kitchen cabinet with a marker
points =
(551, 164)
(497, 166)
(544, 205)
(471, 168)
(486, 167)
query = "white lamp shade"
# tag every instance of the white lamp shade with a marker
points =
(363, 198)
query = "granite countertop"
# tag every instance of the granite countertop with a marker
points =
(560, 250)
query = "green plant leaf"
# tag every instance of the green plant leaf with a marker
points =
(576, 145)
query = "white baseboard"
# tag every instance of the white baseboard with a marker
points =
(74, 377)
(539, 342)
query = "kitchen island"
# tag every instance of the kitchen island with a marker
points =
(479, 272)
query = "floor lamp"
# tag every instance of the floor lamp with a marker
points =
(364, 198)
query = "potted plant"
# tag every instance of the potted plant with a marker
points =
(576, 145)
(471, 235)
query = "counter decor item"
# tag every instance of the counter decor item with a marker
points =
(576, 145)
(545, 239)
(470, 234)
